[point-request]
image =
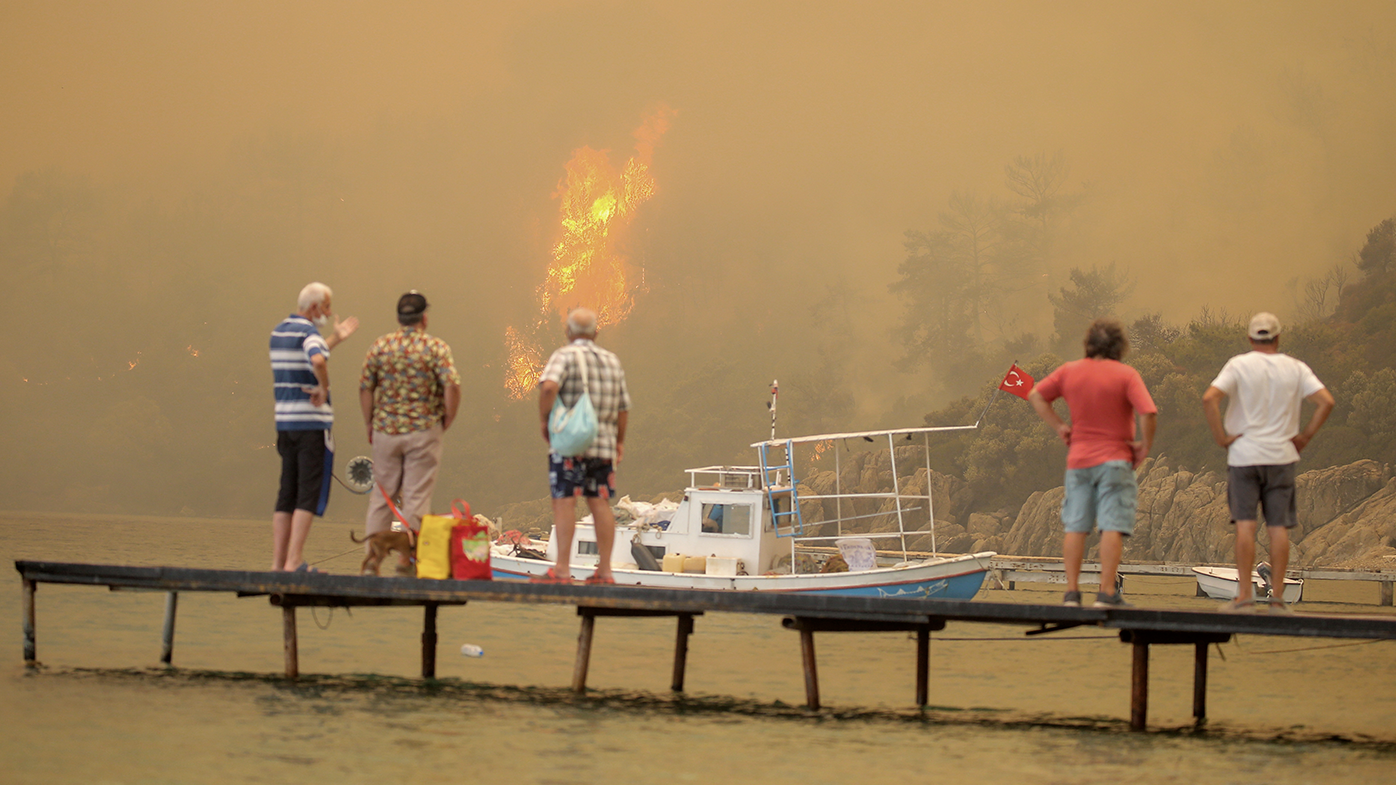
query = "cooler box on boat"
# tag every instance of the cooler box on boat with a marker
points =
(723, 566)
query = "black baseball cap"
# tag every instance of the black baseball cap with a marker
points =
(412, 304)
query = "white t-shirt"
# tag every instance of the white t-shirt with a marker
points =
(1265, 390)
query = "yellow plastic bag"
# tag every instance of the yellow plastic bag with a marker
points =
(434, 546)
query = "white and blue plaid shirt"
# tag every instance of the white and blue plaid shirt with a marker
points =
(605, 382)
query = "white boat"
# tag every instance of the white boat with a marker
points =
(1220, 583)
(738, 527)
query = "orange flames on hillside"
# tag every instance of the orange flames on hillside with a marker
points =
(588, 268)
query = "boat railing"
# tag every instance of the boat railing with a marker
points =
(730, 477)
(789, 522)
(846, 518)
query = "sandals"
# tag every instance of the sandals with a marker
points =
(550, 576)
(1238, 606)
(597, 580)
(306, 568)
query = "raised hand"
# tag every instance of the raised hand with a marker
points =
(345, 328)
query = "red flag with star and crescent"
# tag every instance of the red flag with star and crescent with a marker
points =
(1017, 382)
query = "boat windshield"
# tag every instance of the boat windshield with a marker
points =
(727, 518)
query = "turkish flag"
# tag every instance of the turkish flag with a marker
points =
(1017, 381)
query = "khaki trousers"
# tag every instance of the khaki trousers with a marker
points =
(403, 464)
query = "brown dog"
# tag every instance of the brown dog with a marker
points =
(380, 544)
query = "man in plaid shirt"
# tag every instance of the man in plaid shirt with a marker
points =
(592, 474)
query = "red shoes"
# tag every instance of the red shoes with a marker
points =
(551, 576)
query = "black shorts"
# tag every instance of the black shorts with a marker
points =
(590, 477)
(307, 463)
(1270, 487)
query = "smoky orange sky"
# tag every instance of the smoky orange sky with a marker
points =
(227, 153)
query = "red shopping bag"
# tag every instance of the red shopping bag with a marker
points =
(470, 546)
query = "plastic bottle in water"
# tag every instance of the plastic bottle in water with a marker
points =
(471, 650)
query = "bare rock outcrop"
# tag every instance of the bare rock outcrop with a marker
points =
(1363, 537)
(1347, 516)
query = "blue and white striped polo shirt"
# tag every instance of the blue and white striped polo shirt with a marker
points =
(293, 343)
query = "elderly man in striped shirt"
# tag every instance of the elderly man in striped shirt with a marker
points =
(301, 383)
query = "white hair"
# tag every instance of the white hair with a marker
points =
(313, 294)
(581, 323)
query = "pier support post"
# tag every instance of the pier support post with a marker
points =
(811, 671)
(923, 666)
(579, 671)
(30, 656)
(681, 650)
(1139, 687)
(429, 641)
(288, 634)
(167, 637)
(1386, 592)
(1199, 683)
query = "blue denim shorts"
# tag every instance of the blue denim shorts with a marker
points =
(1105, 496)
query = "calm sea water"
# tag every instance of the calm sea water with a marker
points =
(1005, 708)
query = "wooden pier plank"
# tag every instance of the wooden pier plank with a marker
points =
(300, 588)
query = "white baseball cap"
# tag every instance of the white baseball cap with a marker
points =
(1265, 326)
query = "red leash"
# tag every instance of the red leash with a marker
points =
(411, 533)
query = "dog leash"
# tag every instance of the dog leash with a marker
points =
(411, 533)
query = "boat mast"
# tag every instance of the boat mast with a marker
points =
(775, 394)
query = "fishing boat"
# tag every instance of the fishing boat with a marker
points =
(759, 528)
(1220, 583)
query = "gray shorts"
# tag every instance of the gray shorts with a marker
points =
(1270, 487)
(1103, 496)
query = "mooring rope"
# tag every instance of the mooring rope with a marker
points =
(1316, 648)
(337, 555)
(1052, 638)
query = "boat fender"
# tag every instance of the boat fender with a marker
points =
(643, 558)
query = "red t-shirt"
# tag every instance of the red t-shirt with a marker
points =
(1103, 396)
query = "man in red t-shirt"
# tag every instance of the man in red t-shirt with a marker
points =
(1103, 395)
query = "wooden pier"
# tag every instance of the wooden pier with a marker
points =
(805, 613)
(1007, 571)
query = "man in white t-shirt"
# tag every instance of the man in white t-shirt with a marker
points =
(1263, 442)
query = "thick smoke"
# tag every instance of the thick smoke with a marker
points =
(173, 174)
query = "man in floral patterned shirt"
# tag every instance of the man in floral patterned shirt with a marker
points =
(409, 392)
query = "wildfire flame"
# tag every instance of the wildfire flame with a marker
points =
(597, 203)
(525, 359)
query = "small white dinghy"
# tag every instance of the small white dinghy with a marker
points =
(1220, 583)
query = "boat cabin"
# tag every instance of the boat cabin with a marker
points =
(727, 519)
